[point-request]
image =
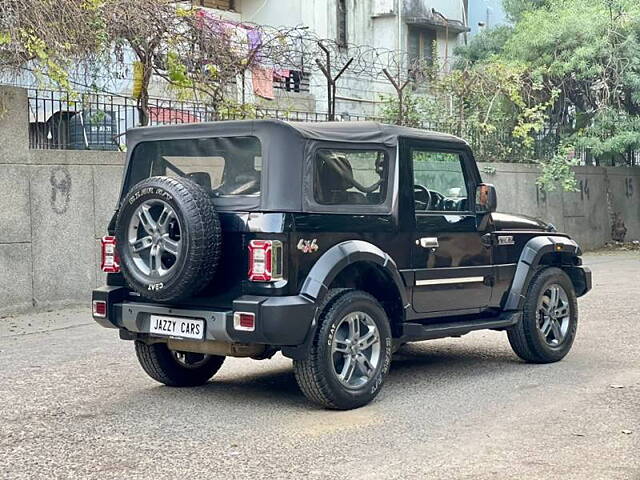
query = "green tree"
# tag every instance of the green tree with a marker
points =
(483, 46)
(516, 9)
(583, 56)
(49, 37)
(589, 51)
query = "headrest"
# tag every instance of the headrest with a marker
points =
(335, 172)
(201, 178)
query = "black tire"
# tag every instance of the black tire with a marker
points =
(196, 228)
(316, 375)
(526, 338)
(161, 364)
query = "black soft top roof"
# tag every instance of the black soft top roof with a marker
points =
(285, 147)
(365, 132)
(347, 132)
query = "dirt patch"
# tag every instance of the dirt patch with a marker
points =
(617, 247)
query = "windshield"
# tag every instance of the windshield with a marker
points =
(224, 166)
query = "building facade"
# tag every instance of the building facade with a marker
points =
(428, 30)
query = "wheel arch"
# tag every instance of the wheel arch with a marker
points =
(337, 260)
(547, 250)
(348, 264)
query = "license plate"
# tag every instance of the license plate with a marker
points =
(176, 327)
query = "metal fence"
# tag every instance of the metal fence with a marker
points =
(61, 120)
(97, 121)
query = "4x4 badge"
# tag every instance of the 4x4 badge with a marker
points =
(505, 240)
(307, 246)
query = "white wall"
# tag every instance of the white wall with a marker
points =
(287, 13)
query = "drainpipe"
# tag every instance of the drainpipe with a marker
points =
(399, 25)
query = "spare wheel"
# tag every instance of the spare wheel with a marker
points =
(168, 237)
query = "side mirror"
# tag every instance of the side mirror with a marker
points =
(486, 198)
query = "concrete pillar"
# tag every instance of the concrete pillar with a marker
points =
(14, 125)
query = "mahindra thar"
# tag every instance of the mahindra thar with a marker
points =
(332, 243)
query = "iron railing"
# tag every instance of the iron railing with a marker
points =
(97, 121)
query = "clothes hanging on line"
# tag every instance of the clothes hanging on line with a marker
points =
(281, 74)
(263, 82)
(236, 36)
(254, 38)
(293, 80)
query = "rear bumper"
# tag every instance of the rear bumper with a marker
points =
(280, 321)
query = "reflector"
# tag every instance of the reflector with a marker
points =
(244, 321)
(99, 308)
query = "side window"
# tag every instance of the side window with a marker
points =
(439, 183)
(350, 177)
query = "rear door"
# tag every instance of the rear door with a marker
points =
(452, 268)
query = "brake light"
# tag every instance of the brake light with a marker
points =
(110, 260)
(265, 260)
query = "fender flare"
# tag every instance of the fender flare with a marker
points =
(338, 257)
(327, 268)
(529, 261)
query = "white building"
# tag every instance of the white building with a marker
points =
(419, 28)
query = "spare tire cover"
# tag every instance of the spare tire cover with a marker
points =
(168, 237)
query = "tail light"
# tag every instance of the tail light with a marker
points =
(265, 260)
(110, 260)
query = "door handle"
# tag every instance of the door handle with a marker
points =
(428, 242)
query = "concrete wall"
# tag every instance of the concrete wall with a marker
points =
(56, 205)
(583, 214)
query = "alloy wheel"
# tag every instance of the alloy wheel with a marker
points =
(355, 349)
(553, 315)
(154, 237)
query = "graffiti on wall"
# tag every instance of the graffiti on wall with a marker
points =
(60, 181)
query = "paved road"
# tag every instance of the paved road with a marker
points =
(75, 404)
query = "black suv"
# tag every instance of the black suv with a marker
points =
(333, 243)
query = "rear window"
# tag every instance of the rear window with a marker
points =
(225, 166)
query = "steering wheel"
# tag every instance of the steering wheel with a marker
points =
(436, 200)
(424, 192)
